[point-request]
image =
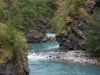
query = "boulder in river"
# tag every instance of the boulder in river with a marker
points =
(38, 34)
(34, 36)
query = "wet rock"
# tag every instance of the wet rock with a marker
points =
(45, 39)
(37, 35)
(50, 38)
(34, 36)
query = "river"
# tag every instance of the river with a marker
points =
(41, 64)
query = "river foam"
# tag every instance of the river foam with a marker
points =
(75, 56)
(47, 59)
(42, 55)
(50, 34)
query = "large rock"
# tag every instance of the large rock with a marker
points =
(41, 26)
(17, 65)
(34, 36)
(37, 35)
(72, 36)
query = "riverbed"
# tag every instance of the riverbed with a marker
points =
(40, 62)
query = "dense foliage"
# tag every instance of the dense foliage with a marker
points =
(56, 25)
(71, 8)
(93, 32)
(22, 13)
(18, 16)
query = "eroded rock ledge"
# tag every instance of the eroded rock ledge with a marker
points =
(17, 65)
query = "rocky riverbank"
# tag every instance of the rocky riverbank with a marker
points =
(34, 36)
(76, 56)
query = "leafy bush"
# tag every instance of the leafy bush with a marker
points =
(9, 36)
(52, 25)
(10, 41)
(22, 13)
(19, 15)
(55, 25)
(45, 7)
(93, 32)
(69, 3)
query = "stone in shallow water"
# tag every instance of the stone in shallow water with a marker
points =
(76, 56)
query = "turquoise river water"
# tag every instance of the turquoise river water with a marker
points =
(40, 65)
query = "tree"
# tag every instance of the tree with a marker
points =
(22, 13)
(93, 32)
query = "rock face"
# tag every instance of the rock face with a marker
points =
(72, 36)
(34, 36)
(37, 35)
(17, 65)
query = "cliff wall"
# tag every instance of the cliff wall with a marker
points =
(72, 36)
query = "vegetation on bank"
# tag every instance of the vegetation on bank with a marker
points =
(18, 16)
(93, 32)
(55, 25)
(10, 41)
(22, 13)
(73, 10)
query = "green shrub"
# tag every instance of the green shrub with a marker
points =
(93, 32)
(10, 41)
(66, 9)
(69, 3)
(56, 25)
(22, 13)
(9, 36)
(52, 25)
